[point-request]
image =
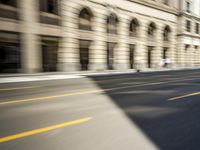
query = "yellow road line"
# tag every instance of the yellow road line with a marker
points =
(86, 92)
(45, 129)
(49, 97)
(184, 96)
(19, 88)
(72, 94)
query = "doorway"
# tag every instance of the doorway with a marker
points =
(10, 59)
(84, 54)
(132, 56)
(149, 56)
(49, 54)
(110, 55)
(165, 63)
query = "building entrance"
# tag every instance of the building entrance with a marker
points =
(110, 55)
(84, 54)
(49, 54)
(149, 56)
(132, 56)
(9, 53)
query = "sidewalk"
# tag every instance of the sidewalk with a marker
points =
(13, 78)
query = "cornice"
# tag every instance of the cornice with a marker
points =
(188, 15)
(189, 35)
(157, 6)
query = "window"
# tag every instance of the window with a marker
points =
(166, 2)
(9, 2)
(166, 33)
(187, 6)
(188, 26)
(197, 28)
(151, 29)
(134, 27)
(49, 6)
(85, 18)
(112, 22)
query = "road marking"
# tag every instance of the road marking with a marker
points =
(184, 96)
(20, 88)
(86, 92)
(71, 94)
(41, 130)
(48, 97)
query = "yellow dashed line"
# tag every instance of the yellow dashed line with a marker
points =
(19, 88)
(86, 92)
(41, 130)
(184, 96)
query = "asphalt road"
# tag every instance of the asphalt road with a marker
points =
(144, 111)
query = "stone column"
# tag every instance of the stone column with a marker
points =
(122, 50)
(198, 59)
(30, 43)
(98, 56)
(158, 49)
(187, 57)
(141, 47)
(172, 52)
(181, 54)
(195, 56)
(198, 56)
(192, 56)
(69, 47)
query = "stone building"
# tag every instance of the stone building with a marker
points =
(188, 37)
(75, 35)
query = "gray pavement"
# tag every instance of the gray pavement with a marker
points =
(127, 111)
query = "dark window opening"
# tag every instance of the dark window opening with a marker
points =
(49, 6)
(188, 26)
(197, 28)
(112, 22)
(85, 19)
(166, 33)
(166, 2)
(9, 2)
(151, 30)
(134, 28)
(187, 6)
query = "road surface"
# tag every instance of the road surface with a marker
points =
(144, 111)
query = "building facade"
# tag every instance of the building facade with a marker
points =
(188, 37)
(75, 35)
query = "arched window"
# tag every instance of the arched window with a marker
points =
(134, 27)
(166, 33)
(49, 6)
(85, 19)
(112, 22)
(151, 29)
(166, 2)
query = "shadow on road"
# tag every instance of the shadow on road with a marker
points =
(170, 125)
